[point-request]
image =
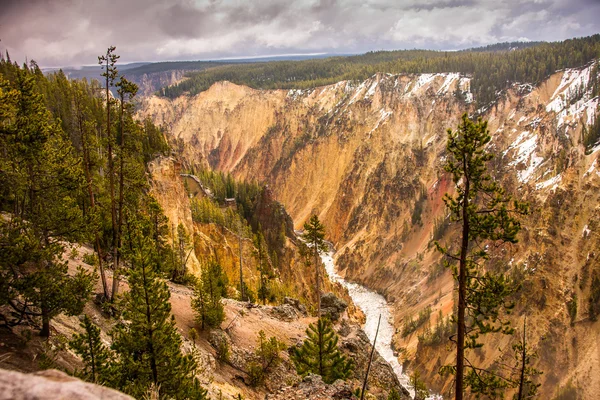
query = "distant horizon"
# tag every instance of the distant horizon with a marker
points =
(285, 57)
(58, 33)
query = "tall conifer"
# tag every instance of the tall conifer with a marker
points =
(485, 213)
(320, 355)
(146, 341)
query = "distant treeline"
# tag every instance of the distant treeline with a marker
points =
(493, 69)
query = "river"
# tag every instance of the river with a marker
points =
(372, 305)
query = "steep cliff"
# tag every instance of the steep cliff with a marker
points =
(366, 157)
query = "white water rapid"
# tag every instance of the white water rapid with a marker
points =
(372, 305)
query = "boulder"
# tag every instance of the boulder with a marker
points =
(52, 385)
(285, 312)
(312, 387)
(296, 304)
(332, 306)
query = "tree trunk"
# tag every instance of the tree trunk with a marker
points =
(241, 272)
(88, 177)
(523, 361)
(120, 207)
(316, 249)
(45, 332)
(150, 332)
(462, 291)
(364, 387)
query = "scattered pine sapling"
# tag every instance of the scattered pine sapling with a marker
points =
(266, 357)
(97, 357)
(320, 355)
(207, 296)
(314, 235)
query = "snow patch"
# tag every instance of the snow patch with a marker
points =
(571, 101)
(586, 231)
(525, 147)
(550, 182)
(383, 115)
(450, 78)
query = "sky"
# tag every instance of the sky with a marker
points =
(74, 32)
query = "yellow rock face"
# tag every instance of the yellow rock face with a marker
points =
(367, 156)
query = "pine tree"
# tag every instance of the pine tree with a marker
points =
(97, 358)
(264, 269)
(266, 357)
(146, 340)
(207, 296)
(108, 62)
(394, 395)
(525, 373)
(40, 176)
(486, 213)
(126, 91)
(320, 355)
(314, 234)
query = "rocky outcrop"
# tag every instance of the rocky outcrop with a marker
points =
(312, 387)
(52, 385)
(332, 306)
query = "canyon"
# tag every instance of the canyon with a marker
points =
(367, 158)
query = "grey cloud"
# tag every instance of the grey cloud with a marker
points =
(69, 32)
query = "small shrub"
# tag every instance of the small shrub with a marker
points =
(223, 351)
(73, 254)
(90, 259)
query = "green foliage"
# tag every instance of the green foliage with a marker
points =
(207, 296)
(314, 236)
(97, 358)
(265, 269)
(319, 354)
(418, 386)
(266, 357)
(146, 341)
(90, 259)
(415, 218)
(594, 299)
(223, 351)
(394, 395)
(410, 324)
(591, 135)
(491, 70)
(486, 214)
(441, 332)
(572, 308)
(40, 180)
(524, 374)
(206, 211)
(440, 227)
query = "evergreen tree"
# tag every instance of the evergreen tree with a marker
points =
(486, 213)
(266, 357)
(264, 269)
(207, 296)
(107, 63)
(146, 340)
(320, 355)
(97, 358)
(314, 234)
(40, 177)
(525, 373)
(394, 395)
(184, 250)
(126, 91)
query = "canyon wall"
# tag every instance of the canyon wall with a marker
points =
(367, 158)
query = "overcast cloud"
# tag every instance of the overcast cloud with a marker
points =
(74, 32)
